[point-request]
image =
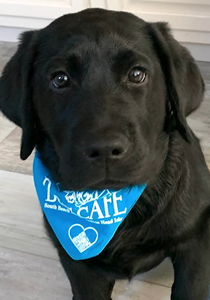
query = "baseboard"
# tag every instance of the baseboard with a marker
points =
(10, 34)
(200, 52)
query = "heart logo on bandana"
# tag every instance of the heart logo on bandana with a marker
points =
(82, 238)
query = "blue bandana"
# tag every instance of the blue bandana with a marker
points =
(84, 222)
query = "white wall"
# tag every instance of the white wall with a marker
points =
(189, 19)
(36, 13)
(21, 15)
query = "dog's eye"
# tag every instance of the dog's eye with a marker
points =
(137, 75)
(60, 80)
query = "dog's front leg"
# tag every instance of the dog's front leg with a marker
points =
(87, 283)
(191, 263)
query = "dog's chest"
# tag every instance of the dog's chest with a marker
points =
(128, 257)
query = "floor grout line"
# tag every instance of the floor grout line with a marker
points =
(36, 255)
(8, 135)
(147, 281)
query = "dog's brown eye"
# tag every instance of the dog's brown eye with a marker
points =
(60, 80)
(137, 75)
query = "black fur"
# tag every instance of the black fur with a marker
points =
(102, 111)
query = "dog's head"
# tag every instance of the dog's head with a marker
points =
(99, 92)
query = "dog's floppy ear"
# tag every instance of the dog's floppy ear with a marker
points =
(16, 91)
(185, 86)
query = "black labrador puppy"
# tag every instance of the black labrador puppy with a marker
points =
(104, 96)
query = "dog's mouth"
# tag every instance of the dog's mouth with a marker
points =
(98, 185)
(109, 184)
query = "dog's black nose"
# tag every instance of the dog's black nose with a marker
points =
(108, 148)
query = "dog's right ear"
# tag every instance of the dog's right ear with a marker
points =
(16, 90)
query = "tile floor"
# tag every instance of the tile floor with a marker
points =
(29, 266)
